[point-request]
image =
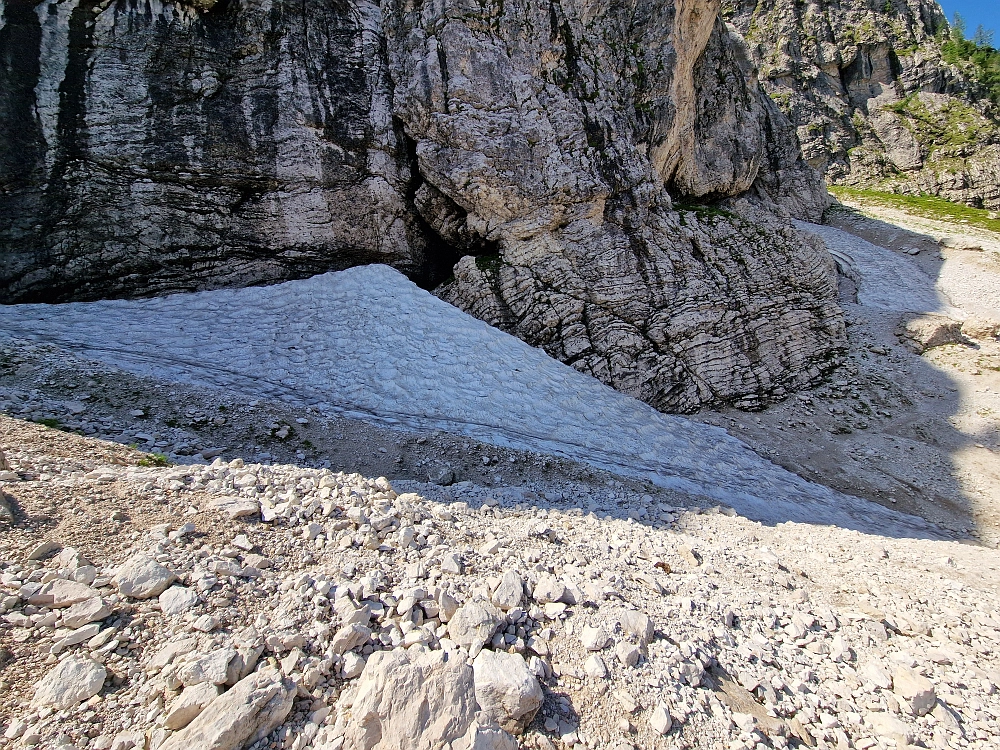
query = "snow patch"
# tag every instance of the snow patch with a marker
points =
(368, 343)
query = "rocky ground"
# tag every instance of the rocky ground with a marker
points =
(919, 431)
(183, 566)
(139, 600)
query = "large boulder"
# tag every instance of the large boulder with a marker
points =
(506, 690)
(417, 700)
(248, 712)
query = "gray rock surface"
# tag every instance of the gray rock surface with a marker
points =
(150, 152)
(873, 100)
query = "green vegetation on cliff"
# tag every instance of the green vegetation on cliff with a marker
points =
(976, 56)
(922, 205)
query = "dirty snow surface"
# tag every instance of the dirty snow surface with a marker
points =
(368, 343)
(885, 281)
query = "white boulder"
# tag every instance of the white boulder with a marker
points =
(506, 690)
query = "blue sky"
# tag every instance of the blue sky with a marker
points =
(975, 12)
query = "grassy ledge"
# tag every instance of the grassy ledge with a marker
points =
(927, 206)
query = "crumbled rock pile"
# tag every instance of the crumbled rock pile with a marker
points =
(351, 612)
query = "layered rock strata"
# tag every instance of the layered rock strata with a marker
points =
(874, 102)
(165, 147)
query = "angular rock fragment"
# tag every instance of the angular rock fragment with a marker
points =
(249, 711)
(510, 591)
(916, 689)
(473, 624)
(177, 600)
(62, 593)
(506, 690)
(236, 507)
(412, 699)
(71, 681)
(349, 638)
(191, 702)
(141, 577)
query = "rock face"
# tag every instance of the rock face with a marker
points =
(874, 102)
(179, 147)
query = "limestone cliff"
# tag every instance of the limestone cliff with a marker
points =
(875, 103)
(153, 146)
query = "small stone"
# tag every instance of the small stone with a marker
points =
(354, 665)
(594, 639)
(71, 681)
(915, 689)
(627, 700)
(660, 719)
(77, 636)
(128, 740)
(448, 605)
(42, 549)
(509, 593)
(176, 600)
(349, 638)
(17, 727)
(689, 555)
(236, 507)
(240, 541)
(595, 666)
(206, 623)
(473, 624)
(451, 563)
(627, 653)
(637, 625)
(548, 589)
(141, 577)
(212, 667)
(85, 612)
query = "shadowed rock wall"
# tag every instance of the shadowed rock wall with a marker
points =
(531, 156)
